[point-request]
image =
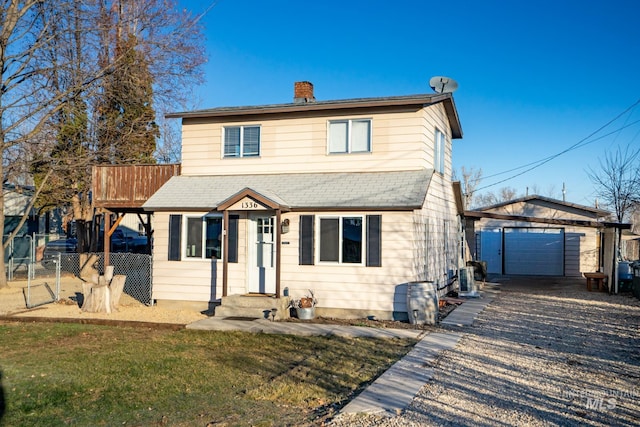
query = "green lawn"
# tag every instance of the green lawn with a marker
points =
(87, 375)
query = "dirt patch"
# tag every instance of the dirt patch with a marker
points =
(13, 304)
(375, 323)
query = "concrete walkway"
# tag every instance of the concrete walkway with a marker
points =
(394, 390)
(465, 314)
(304, 329)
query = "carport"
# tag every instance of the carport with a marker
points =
(532, 245)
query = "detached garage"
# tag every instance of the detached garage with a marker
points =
(534, 251)
(538, 236)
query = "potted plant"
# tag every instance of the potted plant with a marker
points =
(305, 306)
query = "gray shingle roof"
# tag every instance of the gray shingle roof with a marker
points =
(418, 101)
(369, 190)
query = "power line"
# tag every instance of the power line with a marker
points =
(584, 141)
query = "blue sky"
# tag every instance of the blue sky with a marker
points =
(535, 77)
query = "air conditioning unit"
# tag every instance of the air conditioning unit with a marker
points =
(468, 286)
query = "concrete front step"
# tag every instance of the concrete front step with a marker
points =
(249, 312)
(249, 301)
(258, 307)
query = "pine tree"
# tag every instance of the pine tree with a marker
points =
(127, 128)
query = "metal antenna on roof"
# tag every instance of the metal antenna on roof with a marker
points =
(442, 84)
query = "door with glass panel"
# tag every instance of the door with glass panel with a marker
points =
(262, 254)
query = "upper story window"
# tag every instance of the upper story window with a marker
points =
(350, 136)
(439, 149)
(204, 237)
(242, 141)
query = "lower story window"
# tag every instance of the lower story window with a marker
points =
(341, 239)
(204, 237)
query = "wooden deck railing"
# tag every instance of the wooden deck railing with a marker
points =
(128, 186)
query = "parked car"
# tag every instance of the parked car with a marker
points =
(65, 249)
(123, 242)
(120, 242)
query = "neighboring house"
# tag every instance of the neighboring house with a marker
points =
(352, 199)
(16, 203)
(537, 235)
(20, 250)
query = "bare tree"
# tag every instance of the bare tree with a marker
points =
(504, 194)
(26, 101)
(49, 75)
(168, 148)
(617, 181)
(507, 193)
(471, 178)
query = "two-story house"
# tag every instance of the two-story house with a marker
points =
(349, 198)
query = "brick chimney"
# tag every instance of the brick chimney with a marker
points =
(303, 92)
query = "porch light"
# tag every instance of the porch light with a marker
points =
(284, 226)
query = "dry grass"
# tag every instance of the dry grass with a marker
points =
(59, 374)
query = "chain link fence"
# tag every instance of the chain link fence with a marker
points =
(25, 262)
(43, 284)
(24, 250)
(137, 268)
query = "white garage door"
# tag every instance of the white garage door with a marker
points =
(534, 251)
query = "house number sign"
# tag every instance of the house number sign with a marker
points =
(247, 204)
(250, 205)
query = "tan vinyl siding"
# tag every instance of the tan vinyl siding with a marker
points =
(300, 145)
(353, 286)
(434, 259)
(435, 118)
(411, 241)
(190, 280)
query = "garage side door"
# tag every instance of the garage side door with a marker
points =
(491, 249)
(534, 251)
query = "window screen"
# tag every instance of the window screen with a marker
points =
(338, 137)
(232, 142)
(329, 239)
(360, 136)
(194, 237)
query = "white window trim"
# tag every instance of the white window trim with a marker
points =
(363, 256)
(185, 235)
(224, 130)
(349, 127)
(439, 150)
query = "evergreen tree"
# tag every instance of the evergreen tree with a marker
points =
(127, 128)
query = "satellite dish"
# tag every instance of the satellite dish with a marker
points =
(442, 84)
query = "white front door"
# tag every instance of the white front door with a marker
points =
(262, 254)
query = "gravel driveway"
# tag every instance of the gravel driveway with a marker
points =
(544, 352)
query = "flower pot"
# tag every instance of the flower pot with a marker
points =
(306, 313)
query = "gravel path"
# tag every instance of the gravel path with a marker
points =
(545, 352)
